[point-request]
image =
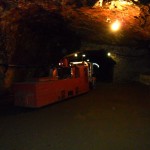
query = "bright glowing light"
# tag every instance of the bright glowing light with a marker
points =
(79, 62)
(75, 55)
(60, 64)
(96, 65)
(108, 54)
(83, 55)
(116, 25)
(75, 63)
(88, 60)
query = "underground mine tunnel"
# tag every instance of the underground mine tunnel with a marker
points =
(35, 35)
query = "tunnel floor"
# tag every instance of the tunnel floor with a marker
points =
(110, 117)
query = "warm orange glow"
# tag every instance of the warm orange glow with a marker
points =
(116, 25)
(119, 4)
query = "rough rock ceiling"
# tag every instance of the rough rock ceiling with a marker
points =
(94, 24)
(64, 25)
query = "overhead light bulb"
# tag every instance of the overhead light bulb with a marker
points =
(75, 55)
(116, 25)
(108, 54)
(83, 55)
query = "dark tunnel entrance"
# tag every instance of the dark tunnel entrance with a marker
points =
(103, 65)
(105, 71)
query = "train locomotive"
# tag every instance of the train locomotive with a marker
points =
(67, 80)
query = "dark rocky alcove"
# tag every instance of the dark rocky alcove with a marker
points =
(34, 40)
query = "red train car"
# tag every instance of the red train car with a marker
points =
(48, 90)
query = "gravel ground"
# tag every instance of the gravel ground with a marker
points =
(110, 117)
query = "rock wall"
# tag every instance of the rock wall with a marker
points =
(131, 62)
(32, 37)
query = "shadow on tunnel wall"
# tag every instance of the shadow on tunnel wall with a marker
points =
(35, 39)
